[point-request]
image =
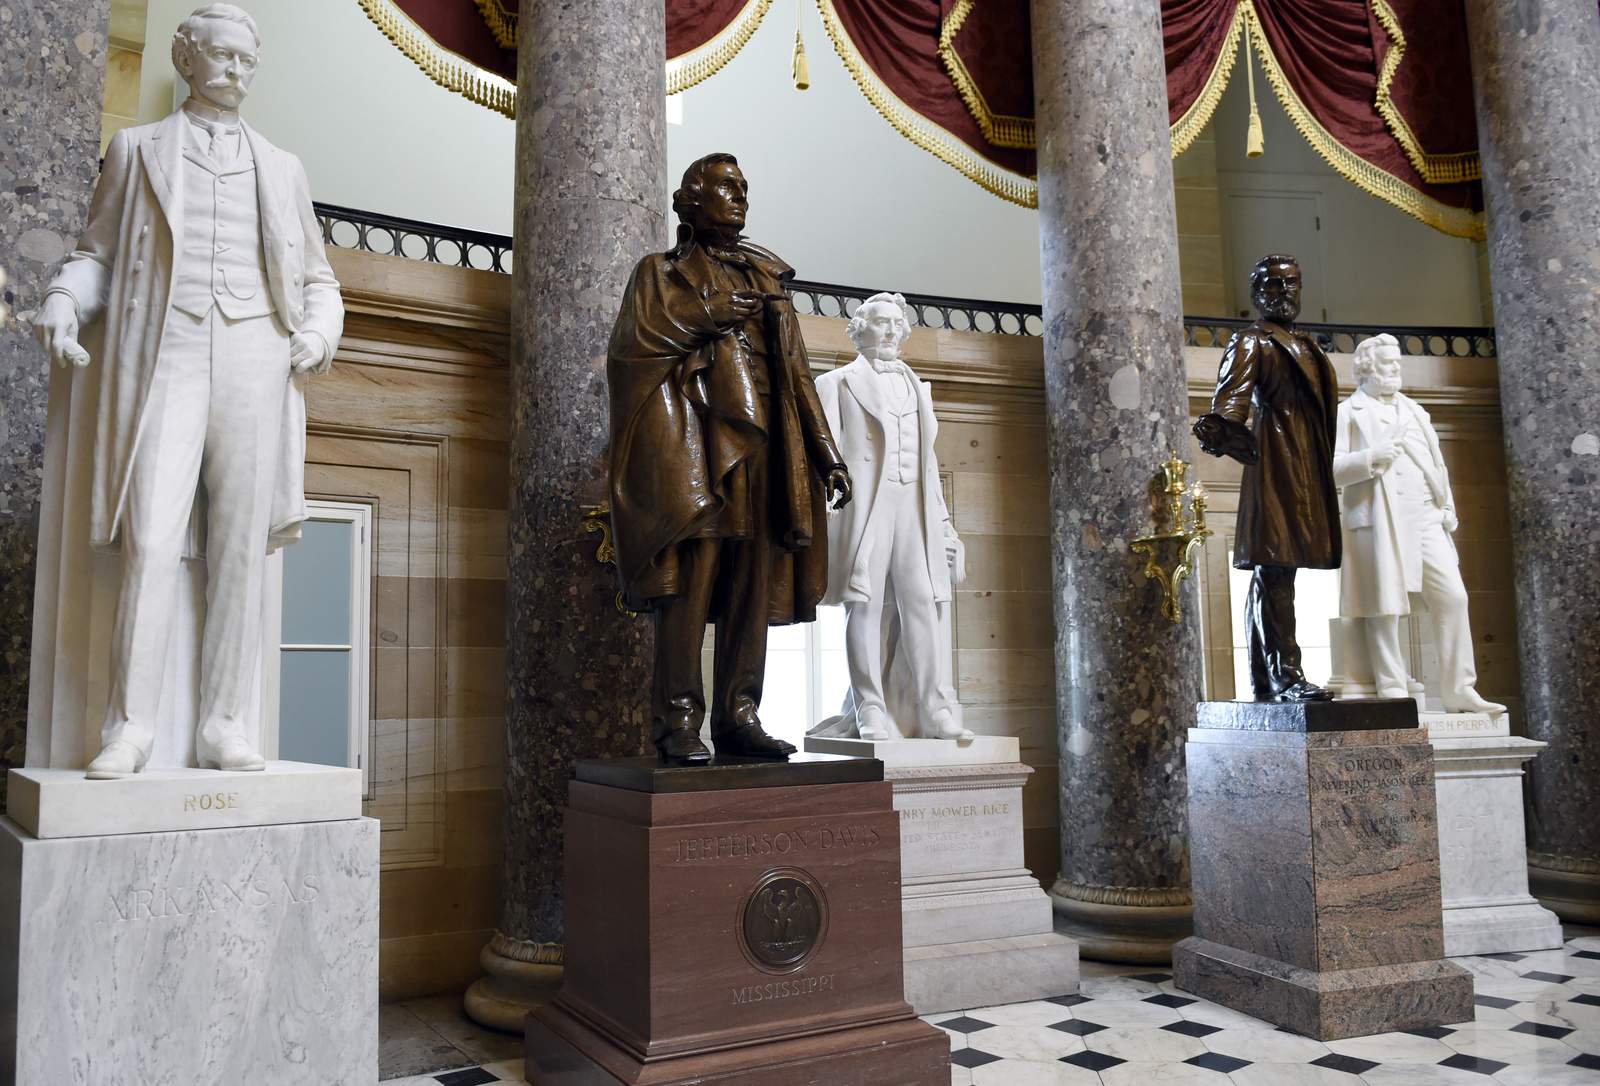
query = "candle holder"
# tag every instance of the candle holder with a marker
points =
(1169, 554)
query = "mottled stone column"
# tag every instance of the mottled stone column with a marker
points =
(590, 201)
(1537, 88)
(1127, 679)
(52, 75)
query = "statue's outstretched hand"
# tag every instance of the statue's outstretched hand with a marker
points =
(56, 328)
(838, 486)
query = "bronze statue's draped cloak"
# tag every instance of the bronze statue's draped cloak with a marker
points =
(1288, 505)
(688, 414)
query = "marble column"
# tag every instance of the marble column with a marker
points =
(1537, 89)
(1127, 679)
(591, 199)
(52, 78)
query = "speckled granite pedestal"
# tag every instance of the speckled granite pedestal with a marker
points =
(242, 955)
(1483, 860)
(1315, 859)
(979, 929)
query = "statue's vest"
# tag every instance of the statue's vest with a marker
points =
(903, 459)
(222, 261)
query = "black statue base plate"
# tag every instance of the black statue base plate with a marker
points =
(651, 774)
(1305, 717)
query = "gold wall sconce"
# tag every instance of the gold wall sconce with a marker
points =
(1169, 554)
(597, 521)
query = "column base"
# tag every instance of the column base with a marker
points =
(513, 987)
(1571, 891)
(1330, 1004)
(1132, 933)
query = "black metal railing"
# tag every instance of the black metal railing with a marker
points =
(390, 235)
(1442, 342)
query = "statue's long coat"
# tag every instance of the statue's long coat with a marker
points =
(1288, 505)
(121, 276)
(685, 419)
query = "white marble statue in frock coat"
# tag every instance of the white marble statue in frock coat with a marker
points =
(1398, 515)
(892, 550)
(203, 292)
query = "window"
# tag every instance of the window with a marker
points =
(806, 677)
(323, 639)
(1316, 605)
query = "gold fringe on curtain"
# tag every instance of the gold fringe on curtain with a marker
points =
(1456, 221)
(496, 92)
(502, 23)
(439, 64)
(921, 131)
(999, 129)
(1188, 127)
(700, 64)
(1445, 169)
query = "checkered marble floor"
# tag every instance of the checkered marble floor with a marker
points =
(1537, 1024)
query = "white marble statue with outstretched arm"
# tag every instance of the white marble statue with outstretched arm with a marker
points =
(1398, 515)
(893, 554)
(202, 296)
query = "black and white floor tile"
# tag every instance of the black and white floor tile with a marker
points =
(1537, 1023)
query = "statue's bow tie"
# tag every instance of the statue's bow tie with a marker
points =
(730, 256)
(894, 365)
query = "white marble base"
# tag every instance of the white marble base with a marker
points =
(216, 956)
(1464, 725)
(1483, 863)
(51, 803)
(978, 929)
(980, 750)
(1500, 929)
(990, 972)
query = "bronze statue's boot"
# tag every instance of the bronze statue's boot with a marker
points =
(682, 746)
(677, 737)
(1301, 690)
(740, 735)
(750, 741)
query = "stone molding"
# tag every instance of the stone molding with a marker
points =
(956, 778)
(527, 950)
(1157, 897)
(1577, 865)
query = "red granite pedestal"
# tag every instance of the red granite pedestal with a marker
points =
(730, 924)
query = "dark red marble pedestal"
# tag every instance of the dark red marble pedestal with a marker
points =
(733, 924)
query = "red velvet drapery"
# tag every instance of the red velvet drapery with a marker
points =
(469, 46)
(1381, 88)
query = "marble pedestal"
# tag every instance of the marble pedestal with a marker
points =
(1315, 859)
(219, 953)
(1483, 860)
(978, 928)
(735, 923)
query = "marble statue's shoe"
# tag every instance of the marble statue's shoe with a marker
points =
(682, 746)
(750, 741)
(1470, 701)
(234, 756)
(946, 727)
(1300, 690)
(1394, 692)
(119, 758)
(872, 724)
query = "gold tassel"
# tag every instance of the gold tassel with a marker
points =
(1255, 140)
(801, 69)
